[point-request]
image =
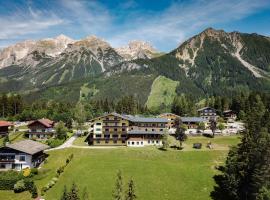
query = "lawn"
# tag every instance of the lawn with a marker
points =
(80, 141)
(157, 174)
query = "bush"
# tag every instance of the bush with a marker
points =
(54, 142)
(60, 170)
(26, 172)
(34, 191)
(34, 171)
(19, 186)
(9, 178)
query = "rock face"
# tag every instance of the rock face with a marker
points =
(18, 54)
(137, 49)
(229, 43)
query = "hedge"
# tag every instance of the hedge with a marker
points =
(9, 178)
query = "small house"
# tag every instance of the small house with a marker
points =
(41, 129)
(229, 115)
(4, 125)
(208, 113)
(21, 155)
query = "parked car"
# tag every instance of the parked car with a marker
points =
(197, 145)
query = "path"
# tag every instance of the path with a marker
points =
(66, 144)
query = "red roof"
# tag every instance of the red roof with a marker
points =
(5, 123)
(46, 122)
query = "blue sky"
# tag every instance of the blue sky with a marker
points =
(163, 23)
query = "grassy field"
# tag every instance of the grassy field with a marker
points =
(80, 141)
(162, 92)
(170, 175)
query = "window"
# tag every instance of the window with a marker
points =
(161, 129)
(106, 141)
(98, 141)
(146, 129)
(115, 123)
(153, 129)
(98, 129)
(115, 136)
(123, 124)
(115, 141)
(153, 124)
(148, 141)
(123, 141)
(106, 124)
(138, 143)
(157, 142)
(98, 123)
(115, 118)
(123, 129)
(106, 129)
(153, 141)
(98, 135)
(107, 118)
(128, 142)
(132, 143)
(107, 136)
(141, 143)
(22, 158)
(115, 129)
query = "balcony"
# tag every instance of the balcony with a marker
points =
(7, 160)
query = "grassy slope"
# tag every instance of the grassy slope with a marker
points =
(157, 174)
(162, 92)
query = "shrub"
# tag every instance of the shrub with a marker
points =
(19, 186)
(26, 172)
(34, 171)
(54, 142)
(8, 179)
(34, 191)
(60, 170)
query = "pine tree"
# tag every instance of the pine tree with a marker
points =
(118, 191)
(74, 193)
(130, 193)
(65, 194)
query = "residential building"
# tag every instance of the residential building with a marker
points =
(126, 130)
(208, 113)
(41, 129)
(171, 119)
(23, 154)
(229, 115)
(4, 125)
(193, 122)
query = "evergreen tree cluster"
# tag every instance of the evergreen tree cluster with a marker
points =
(10, 105)
(73, 194)
(246, 174)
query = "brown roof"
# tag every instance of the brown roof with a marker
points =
(28, 146)
(5, 123)
(46, 122)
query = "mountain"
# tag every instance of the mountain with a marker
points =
(17, 54)
(137, 49)
(214, 62)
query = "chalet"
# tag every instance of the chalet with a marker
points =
(4, 125)
(171, 119)
(23, 154)
(41, 129)
(229, 115)
(193, 122)
(208, 113)
(126, 130)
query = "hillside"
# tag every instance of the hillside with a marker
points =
(213, 62)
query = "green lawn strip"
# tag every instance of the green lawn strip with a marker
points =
(10, 195)
(157, 174)
(80, 141)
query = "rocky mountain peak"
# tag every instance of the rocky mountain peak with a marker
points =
(137, 49)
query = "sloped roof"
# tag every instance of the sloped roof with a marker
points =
(193, 119)
(201, 109)
(165, 114)
(5, 123)
(28, 146)
(46, 122)
(147, 119)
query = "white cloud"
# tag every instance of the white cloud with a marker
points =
(176, 23)
(27, 22)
